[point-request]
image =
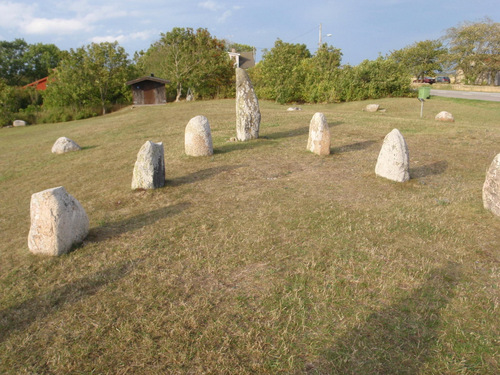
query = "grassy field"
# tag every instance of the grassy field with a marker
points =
(264, 258)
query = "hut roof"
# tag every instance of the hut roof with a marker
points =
(148, 78)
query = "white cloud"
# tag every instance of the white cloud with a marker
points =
(121, 38)
(143, 35)
(53, 26)
(108, 38)
(210, 5)
(11, 14)
(225, 16)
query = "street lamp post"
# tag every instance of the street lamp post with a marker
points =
(320, 41)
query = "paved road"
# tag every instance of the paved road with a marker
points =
(490, 96)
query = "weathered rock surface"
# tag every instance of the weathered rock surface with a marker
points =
(149, 169)
(247, 108)
(63, 145)
(393, 160)
(491, 187)
(319, 135)
(198, 138)
(445, 117)
(372, 107)
(58, 221)
(291, 109)
(19, 123)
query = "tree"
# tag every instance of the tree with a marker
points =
(320, 73)
(421, 58)
(279, 76)
(238, 47)
(189, 59)
(12, 68)
(475, 49)
(22, 63)
(93, 75)
(39, 60)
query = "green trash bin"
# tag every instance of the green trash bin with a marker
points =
(424, 92)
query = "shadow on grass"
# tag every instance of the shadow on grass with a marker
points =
(201, 175)
(398, 339)
(438, 167)
(248, 145)
(289, 133)
(109, 230)
(88, 147)
(19, 317)
(358, 146)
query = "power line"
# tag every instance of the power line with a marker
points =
(301, 35)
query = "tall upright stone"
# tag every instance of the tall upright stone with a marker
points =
(198, 138)
(319, 135)
(491, 187)
(58, 221)
(247, 108)
(149, 169)
(393, 160)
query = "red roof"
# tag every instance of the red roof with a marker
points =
(41, 84)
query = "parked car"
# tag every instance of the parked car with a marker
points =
(443, 79)
(428, 80)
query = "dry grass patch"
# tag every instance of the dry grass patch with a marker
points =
(263, 258)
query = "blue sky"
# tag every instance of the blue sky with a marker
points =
(360, 28)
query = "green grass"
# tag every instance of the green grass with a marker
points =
(263, 258)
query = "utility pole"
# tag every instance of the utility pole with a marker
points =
(320, 34)
(320, 40)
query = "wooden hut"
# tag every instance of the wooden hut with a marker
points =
(148, 90)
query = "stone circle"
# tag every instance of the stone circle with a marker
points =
(19, 123)
(393, 160)
(372, 107)
(58, 221)
(149, 169)
(63, 145)
(319, 135)
(491, 187)
(198, 138)
(444, 117)
(247, 108)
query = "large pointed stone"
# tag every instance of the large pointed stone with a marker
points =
(198, 138)
(63, 145)
(58, 221)
(319, 135)
(149, 169)
(393, 160)
(491, 187)
(247, 108)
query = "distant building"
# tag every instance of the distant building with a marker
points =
(41, 84)
(242, 60)
(148, 90)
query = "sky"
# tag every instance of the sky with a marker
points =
(362, 29)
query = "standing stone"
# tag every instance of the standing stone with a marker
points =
(63, 145)
(198, 138)
(394, 159)
(247, 108)
(149, 169)
(58, 221)
(319, 135)
(491, 187)
(445, 117)
(19, 123)
(372, 107)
